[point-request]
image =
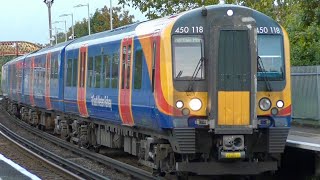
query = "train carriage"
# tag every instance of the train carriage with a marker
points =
(206, 91)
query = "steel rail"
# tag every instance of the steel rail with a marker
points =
(38, 156)
(120, 166)
(83, 172)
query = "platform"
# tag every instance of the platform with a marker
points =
(304, 137)
(10, 170)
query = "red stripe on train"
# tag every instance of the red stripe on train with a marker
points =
(31, 82)
(47, 82)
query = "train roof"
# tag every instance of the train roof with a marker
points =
(149, 27)
(261, 19)
(54, 48)
(136, 29)
(15, 60)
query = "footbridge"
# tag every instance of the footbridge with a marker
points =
(17, 48)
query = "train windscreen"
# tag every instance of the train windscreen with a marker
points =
(270, 51)
(187, 54)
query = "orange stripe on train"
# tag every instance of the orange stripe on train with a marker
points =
(47, 82)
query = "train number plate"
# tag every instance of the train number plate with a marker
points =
(233, 155)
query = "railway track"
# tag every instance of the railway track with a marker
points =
(41, 166)
(53, 158)
(134, 172)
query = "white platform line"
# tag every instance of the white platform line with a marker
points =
(304, 145)
(301, 132)
(19, 168)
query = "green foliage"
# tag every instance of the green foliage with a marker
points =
(300, 18)
(100, 21)
(3, 60)
(61, 37)
(81, 28)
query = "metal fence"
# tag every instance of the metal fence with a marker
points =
(305, 84)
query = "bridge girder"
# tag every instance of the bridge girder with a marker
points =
(17, 48)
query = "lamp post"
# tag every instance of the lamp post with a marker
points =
(56, 34)
(63, 15)
(81, 5)
(65, 28)
(49, 4)
(111, 15)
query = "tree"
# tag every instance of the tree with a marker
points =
(160, 8)
(100, 21)
(3, 60)
(80, 28)
(303, 26)
(61, 37)
(156, 9)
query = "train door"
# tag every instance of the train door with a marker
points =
(125, 83)
(233, 78)
(81, 87)
(235, 59)
(47, 81)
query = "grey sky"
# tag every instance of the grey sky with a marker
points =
(27, 20)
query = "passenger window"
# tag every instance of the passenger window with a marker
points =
(75, 72)
(128, 67)
(106, 71)
(97, 69)
(56, 67)
(69, 72)
(115, 67)
(90, 72)
(138, 68)
(124, 53)
(52, 68)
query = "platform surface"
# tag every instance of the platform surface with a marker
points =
(9, 170)
(304, 137)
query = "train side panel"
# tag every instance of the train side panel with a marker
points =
(28, 80)
(4, 80)
(102, 81)
(142, 96)
(71, 81)
(39, 80)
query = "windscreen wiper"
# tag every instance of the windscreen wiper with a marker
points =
(261, 68)
(195, 74)
(179, 74)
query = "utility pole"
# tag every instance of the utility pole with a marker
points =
(111, 26)
(49, 4)
(81, 5)
(71, 14)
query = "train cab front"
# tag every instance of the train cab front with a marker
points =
(231, 91)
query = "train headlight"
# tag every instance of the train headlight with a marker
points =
(195, 104)
(179, 104)
(280, 104)
(265, 104)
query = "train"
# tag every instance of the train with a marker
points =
(204, 92)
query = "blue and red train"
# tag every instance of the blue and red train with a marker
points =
(206, 91)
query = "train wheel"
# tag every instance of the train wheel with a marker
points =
(96, 148)
(182, 176)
